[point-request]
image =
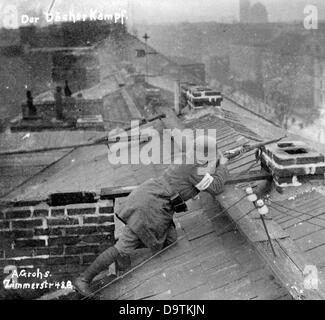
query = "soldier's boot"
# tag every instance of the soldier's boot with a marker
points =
(123, 263)
(102, 262)
(171, 235)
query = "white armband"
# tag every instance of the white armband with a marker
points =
(205, 182)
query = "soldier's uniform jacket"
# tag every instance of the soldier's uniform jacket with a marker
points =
(148, 211)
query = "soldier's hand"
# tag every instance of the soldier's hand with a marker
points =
(223, 160)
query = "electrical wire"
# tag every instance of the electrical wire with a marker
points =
(301, 213)
(294, 217)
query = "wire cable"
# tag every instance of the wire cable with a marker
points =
(294, 217)
(301, 213)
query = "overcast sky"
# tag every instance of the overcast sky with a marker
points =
(170, 11)
(211, 10)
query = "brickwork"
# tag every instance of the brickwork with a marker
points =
(292, 162)
(61, 240)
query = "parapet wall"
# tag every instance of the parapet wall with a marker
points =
(72, 108)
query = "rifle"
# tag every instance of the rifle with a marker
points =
(230, 154)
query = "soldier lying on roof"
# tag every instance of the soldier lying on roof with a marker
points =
(148, 211)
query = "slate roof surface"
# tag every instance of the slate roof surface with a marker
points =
(17, 169)
(210, 261)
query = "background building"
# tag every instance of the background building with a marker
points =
(244, 11)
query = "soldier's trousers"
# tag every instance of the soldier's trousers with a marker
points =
(128, 242)
(121, 251)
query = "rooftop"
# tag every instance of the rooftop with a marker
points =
(212, 259)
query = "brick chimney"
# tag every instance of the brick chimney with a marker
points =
(292, 163)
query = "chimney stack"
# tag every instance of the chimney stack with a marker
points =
(58, 103)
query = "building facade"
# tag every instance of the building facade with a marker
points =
(244, 11)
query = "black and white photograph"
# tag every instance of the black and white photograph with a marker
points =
(171, 151)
